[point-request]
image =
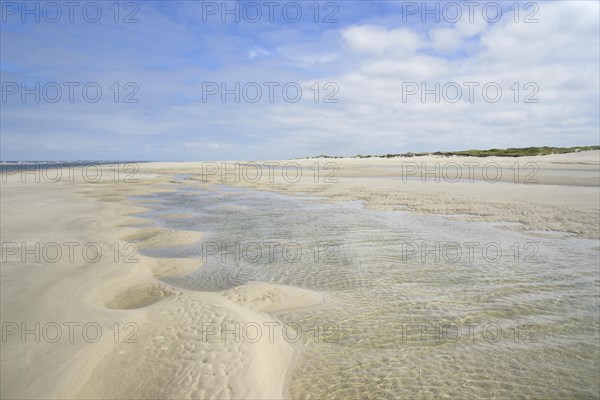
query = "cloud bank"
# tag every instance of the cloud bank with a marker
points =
(374, 78)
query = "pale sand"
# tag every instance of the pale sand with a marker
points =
(565, 199)
(171, 359)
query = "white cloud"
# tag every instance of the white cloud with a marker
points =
(413, 68)
(455, 36)
(382, 41)
(467, 27)
(446, 39)
(256, 51)
(206, 146)
(567, 32)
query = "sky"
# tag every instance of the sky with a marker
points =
(204, 80)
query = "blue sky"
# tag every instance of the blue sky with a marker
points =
(363, 56)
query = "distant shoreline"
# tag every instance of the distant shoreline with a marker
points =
(510, 152)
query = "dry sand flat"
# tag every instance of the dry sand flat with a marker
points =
(172, 359)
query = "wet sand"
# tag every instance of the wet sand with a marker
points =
(172, 358)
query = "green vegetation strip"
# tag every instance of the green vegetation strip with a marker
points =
(510, 152)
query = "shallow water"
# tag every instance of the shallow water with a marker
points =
(404, 318)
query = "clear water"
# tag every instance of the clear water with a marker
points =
(395, 325)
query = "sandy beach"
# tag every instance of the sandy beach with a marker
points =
(337, 200)
(101, 321)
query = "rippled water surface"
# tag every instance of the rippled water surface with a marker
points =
(404, 318)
